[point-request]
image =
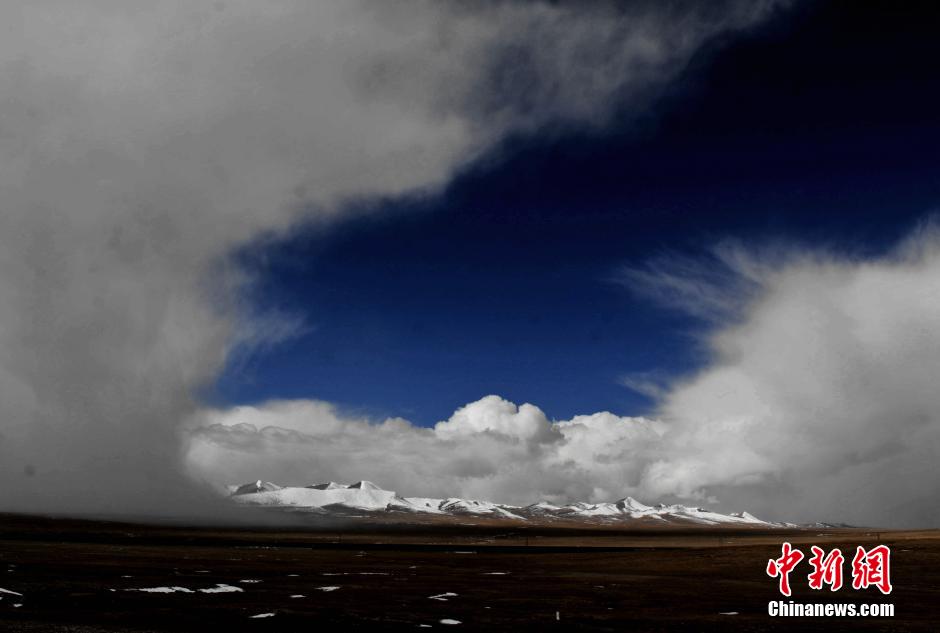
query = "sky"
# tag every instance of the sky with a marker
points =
(817, 127)
(506, 250)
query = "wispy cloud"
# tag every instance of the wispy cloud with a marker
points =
(714, 285)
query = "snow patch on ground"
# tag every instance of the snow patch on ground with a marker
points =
(163, 590)
(221, 588)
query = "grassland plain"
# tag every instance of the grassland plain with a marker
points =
(88, 576)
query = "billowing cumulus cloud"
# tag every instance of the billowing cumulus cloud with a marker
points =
(144, 142)
(490, 449)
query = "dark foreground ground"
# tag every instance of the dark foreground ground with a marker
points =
(76, 576)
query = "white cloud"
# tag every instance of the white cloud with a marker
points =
(820, 398)
(143, 142)
(488, 449)
(494, 415)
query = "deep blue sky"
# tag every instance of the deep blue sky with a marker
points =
(821, 127)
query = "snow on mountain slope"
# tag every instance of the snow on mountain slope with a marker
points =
(420, 504)
(364, 485)
(469, 506)
(628, 506)
(367, 496)
(257, 486)
(705, 517)
(542, 508)
(332, 485)
(315, 497)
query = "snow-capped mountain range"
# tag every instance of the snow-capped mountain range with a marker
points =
(364, 498)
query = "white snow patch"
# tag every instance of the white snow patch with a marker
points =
(420, 504)
(262, 615)
(330, 588)
(163, 590)
(443, 596)
(449, 621)
(361, 496)
(221, 588)
(473, 506)
(543, 506)
(365, 485)
(12, 593)
(256, 487)
(328, 486)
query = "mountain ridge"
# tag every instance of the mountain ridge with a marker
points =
(332, 498)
